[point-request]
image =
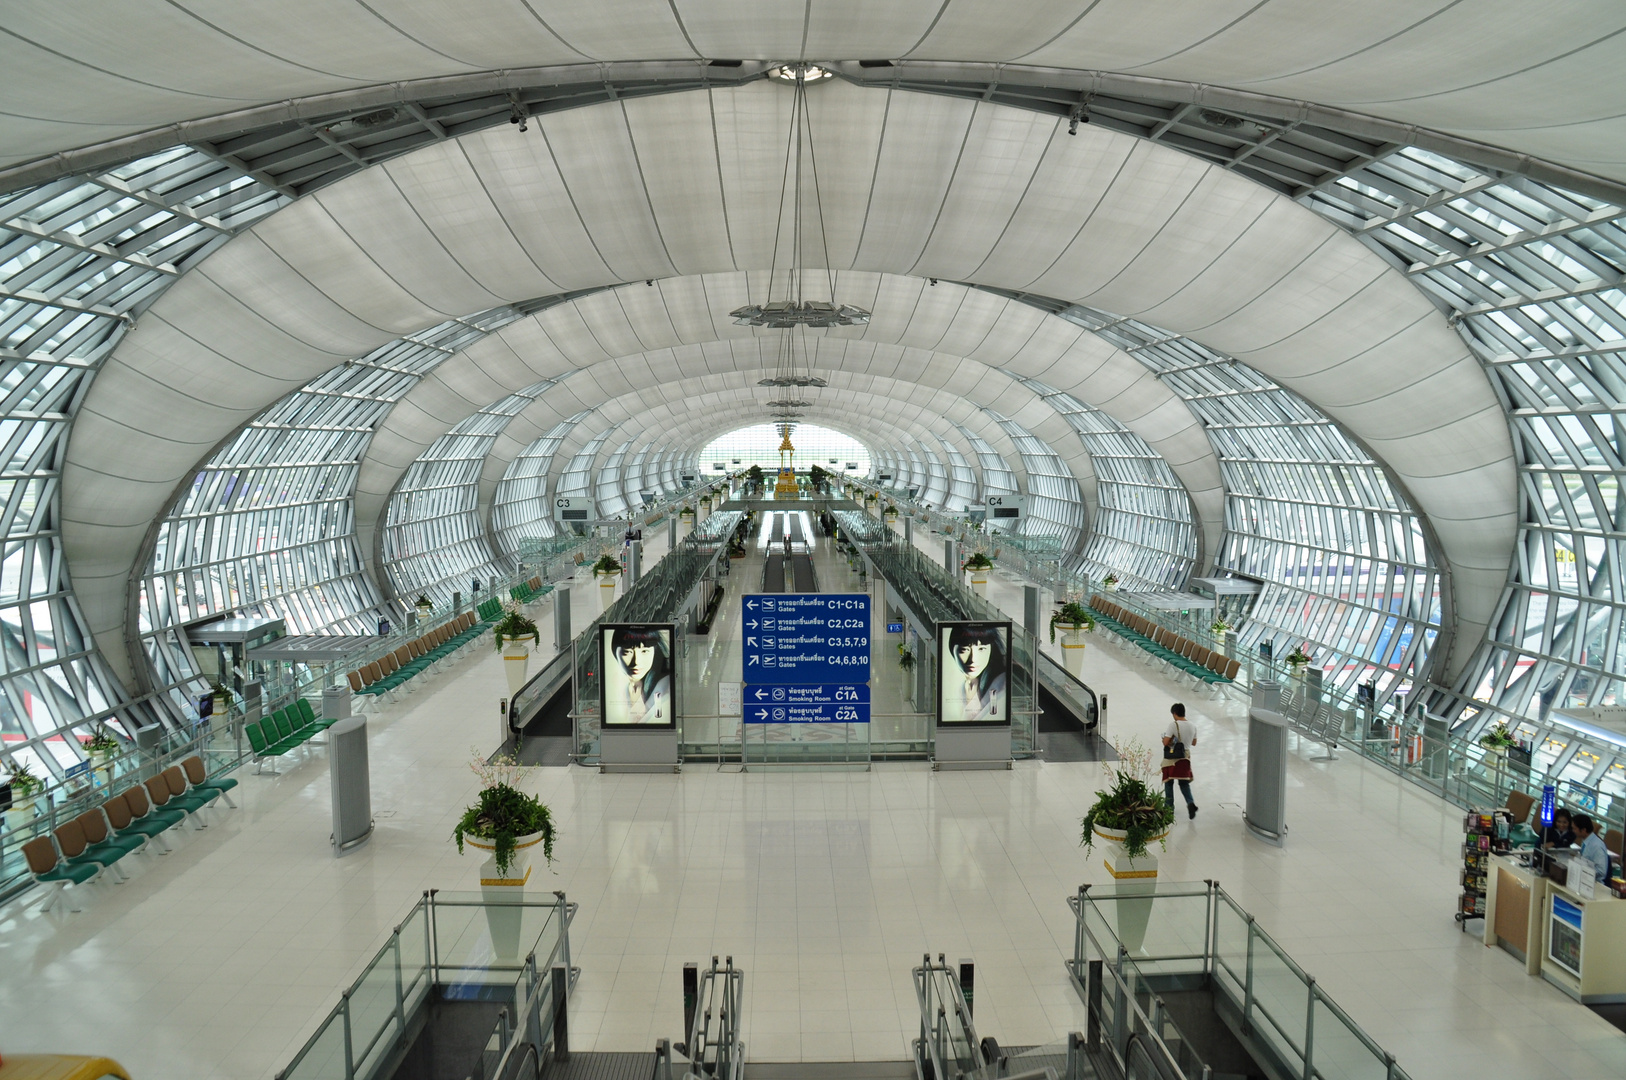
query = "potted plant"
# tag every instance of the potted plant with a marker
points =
(1219, 628)
(1075, 621)
(508, 825)
(512, 632)
(102, 748)
(222, 698)
(25, 788)
(906, 664)
(1498, 739)
(978, 566)
(1110, 583)
(890, 513)
(606, 571)
(1297, 661)
(425, 607)
(1128, 817)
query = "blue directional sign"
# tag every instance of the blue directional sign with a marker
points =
(894, 628)
(823, 712)
(806, 638)
(808, 694)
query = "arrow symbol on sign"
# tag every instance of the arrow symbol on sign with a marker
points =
(750, 641)
(750, 605)
(754, 659)
(762, 714)
(752, 624)
(761, 694)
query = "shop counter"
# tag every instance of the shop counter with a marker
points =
(1583, 942)
(1516, 909)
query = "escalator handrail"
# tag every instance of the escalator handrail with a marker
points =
(522, 700)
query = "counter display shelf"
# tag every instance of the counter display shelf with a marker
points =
(1583, 943)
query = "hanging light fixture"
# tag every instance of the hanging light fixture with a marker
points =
(795, 311)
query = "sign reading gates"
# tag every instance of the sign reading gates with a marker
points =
(806, 658)
(974, 661)
(635, 687)
(806, 637)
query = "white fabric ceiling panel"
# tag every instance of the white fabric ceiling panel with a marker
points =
(918, 154)
(1275, 245)
(382, 223)
(1063, 197)
(321, 250)
(1133, 34)
(1002, 150)
(612, 29)
(1201, 230)
(324, 36)
(601, 171)
(1144, 195)
(247, 300)
(480, 241)
(687, 193)
(517, 183)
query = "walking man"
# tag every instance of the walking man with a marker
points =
(1177, 744)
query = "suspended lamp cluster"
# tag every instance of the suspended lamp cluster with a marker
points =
(795, 312)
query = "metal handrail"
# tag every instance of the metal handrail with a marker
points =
(1239, 986)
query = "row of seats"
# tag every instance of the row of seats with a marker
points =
(1186, 655)
(526, 591)
(417, 656)
(79, 850)
(284, 730)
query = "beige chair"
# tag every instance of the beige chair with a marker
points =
(1519, 805)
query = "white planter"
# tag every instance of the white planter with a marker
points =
(101, 761)
(606, 588)
(979, 582)
(21, 814)
(424, 613)
(516, 656)
(1134, 878)
(1110, 586)
(1296, 671)
(1072, 649)
(505, 922)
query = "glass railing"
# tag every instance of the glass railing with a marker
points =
(948, 1045)
(462, 945)
(1133, 942)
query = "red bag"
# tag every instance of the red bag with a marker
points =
(1177, 769)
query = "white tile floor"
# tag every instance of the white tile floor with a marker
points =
(218, 960)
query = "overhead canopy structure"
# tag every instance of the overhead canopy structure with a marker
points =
(330, 297)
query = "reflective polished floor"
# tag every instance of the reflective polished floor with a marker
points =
(826, 887)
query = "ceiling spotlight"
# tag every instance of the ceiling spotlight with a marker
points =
(1078, 114)
(784, 314)
(519, 113)
(806, 73)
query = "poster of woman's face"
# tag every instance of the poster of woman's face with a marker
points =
(636, 688)
(974, 666)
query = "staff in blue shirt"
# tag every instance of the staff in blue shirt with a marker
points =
(1592, 847)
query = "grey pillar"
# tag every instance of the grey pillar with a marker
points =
(561, 617)
(909, 532)
(951, 556)
(635, 561)
(1030, 608)
(671, 532)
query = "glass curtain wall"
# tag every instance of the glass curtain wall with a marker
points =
(434, 540)
(267, 526)
(962, 481)
(1532, 276)
(520, 510)
(80, 259)
(997, 478)
(1055, 504)
(1347, 573)
(758, 444)
(1143, 530)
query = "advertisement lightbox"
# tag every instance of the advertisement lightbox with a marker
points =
(973, 664)
(637, 687)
